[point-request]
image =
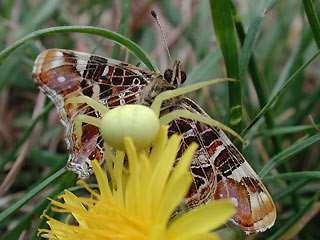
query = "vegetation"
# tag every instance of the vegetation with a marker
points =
(270, 46)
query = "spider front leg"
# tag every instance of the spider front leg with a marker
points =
(165, 119)
(156, 104)
(99, 107)
(83, 118)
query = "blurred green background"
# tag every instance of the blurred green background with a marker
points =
(270, 46)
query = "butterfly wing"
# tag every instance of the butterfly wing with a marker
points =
(62, 74)
(220, 171)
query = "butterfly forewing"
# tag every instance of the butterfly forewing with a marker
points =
(219, 170)
(62, 74)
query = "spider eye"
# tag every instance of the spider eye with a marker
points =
(168, 75)
(183, 76)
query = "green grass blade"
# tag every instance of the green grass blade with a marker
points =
(118, 38)
(26, 220)
(311, 102)
(37, 16)
(295, 148)
(200, 72)
(247, 60)
(30, 194)
(273, 99)
(285, 130)
(313, 19)
(294, 60)
(292, 220)
(292, 188)
(294, 176)
(26, 134)
(221, 12)
(249, 42)
(123, 27)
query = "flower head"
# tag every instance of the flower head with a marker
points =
(139, 198)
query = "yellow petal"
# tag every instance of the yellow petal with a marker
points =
(73, 200)
(101, 179)
(184, 163)
(173, 196)
(159, 145)
(162, 170)
(201, 219)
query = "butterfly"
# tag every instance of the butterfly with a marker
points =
(219, 170)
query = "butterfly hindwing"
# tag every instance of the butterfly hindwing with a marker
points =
(220, 171)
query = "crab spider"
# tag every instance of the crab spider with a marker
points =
(148, 118)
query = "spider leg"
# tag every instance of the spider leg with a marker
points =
(99, 107)
(156, 104)
(82, 118)
(165, 119)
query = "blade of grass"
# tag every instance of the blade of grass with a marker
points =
(224, 28)
(294, 176)
(302, 222)
(273, 99)
(37, 16)
(247, 60)
(294, 59)
(113, 36)
(291, 188)
(26, 134)
(123, 27)
(285, 130)
(313, 19)
(26, 220)
(306, 109)
(30, 194)
(200, 72)
(293, 219)
(295, 148)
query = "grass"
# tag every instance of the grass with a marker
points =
(270, 46)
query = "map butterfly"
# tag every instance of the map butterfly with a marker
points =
(218, 168)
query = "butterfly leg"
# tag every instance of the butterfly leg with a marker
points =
(165, 119)
(156, 104)
(82, 118)
(99, 107)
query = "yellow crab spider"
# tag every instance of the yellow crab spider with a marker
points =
(140, 122)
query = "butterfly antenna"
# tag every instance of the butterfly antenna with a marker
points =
(163, 37)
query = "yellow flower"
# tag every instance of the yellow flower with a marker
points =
(139, 200)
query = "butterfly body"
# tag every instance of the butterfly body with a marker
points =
(219, 170)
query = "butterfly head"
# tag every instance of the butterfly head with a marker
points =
(175, 76)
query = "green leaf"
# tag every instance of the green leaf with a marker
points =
(285, 86)
(221, 12)
(313, 19)
(30, 194)
(290, 221)
(118, 38)
(291, 188)
(285, 130)
(204, 69)
(123, 27)
(294, 176)
(247, 59)
(26, 220)
(284, 155)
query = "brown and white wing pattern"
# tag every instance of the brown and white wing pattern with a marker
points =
(220, 171)
(61, 74)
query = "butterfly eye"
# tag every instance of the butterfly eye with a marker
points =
(168, 75)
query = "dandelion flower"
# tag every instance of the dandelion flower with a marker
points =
(139, 198)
